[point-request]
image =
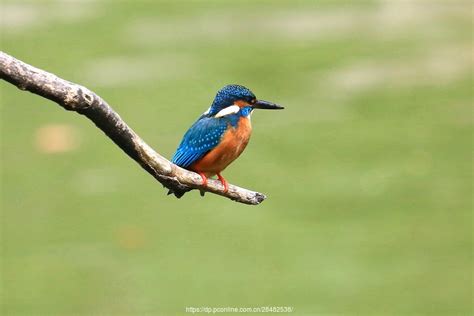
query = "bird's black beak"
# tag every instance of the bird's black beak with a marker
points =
(262, 104)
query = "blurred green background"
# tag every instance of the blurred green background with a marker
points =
(368, 171)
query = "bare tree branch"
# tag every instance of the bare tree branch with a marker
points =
(77, 98)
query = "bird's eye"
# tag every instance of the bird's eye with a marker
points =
(253, 101)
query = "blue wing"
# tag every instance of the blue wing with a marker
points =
(202, 136)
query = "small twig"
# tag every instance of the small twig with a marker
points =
(77, 98)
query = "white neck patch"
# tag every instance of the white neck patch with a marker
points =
(228, 110)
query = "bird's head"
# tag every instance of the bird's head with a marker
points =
(234, 97)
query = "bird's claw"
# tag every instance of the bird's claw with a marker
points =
(204, 179)
(221, 179)
(224, 182)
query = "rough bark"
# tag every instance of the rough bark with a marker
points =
(74, 97)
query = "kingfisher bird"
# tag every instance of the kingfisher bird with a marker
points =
(220, 134)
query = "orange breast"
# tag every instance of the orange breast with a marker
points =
(231, 146)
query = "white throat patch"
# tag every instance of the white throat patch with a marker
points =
(228, 110)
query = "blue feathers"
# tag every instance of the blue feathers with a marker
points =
(206, 133)
(202, 137)
(245, 111)
(228, 95)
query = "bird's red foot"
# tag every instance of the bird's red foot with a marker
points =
(204, 178)
(224, 182)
